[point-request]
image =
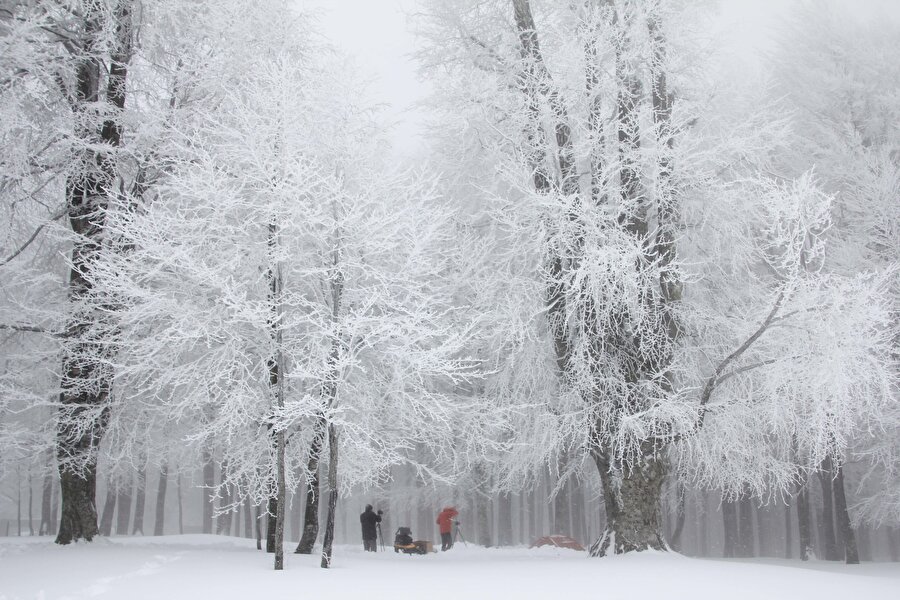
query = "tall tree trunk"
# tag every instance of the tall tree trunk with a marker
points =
(54, 508)
(746, 542)
(85, 381)
(206, 492)
(703, 528)
(223, 523)
(328, 395)
(180, 503)
(761, 530)
(562, 501)
(258, 518)
(804, 524)
(19, 500)
(633, 513)
(123, 507)
(109, 507)
(271, 523)
(296, 509)
(893, 541)
(279, 515)
(788, 532)
(864, 542)
(729, 528)
(680, 515)
(160, 524)
(851, 554)
(311, 511)
(504, 519)
(482, 506)
(137, 527)
(332, 496)
(829, 542)
(276, 382)
(248, 519)
(46, 505)
(30, 503)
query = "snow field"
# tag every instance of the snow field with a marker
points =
(205, 566)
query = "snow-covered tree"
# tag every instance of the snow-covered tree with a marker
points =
(597, 118)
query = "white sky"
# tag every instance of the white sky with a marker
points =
(376, 34)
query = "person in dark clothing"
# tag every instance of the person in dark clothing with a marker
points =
(369, 520)
(445, 523)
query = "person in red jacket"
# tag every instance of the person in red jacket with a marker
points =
(445, 522)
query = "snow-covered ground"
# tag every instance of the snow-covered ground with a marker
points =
(223, 568)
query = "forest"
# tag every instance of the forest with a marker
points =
(632, 290)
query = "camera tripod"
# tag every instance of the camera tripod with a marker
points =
(457, 533)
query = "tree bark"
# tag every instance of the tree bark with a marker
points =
(803, 522)
(109, 507)
(137, 528)
(788, 532)
(223, 523)
(296, 509)
(864, 542)
(279, 515)
(762, 541)
(46, 506)
(271, 524)
(893, 542)
(851, 553)
(632, 500)
(561, 503)
(206, 492)
(30, 504)
(160, 525)
(248, 519)
(332, 497)
(746, 542)
(54, 509)
(258, 527)
(829, 541)
(311, 511)
(703, 528)
(504, 520)
(86, 382)
(123, 507)
(180, 503)
(18, 500)
(680, 516)
(730, 528)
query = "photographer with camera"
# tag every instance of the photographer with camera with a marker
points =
(369, 521)
(445, 523)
